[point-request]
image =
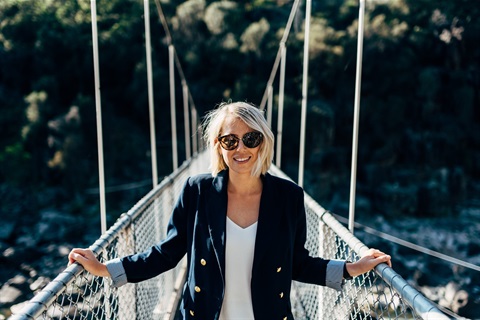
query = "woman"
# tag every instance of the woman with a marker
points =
(243, 231)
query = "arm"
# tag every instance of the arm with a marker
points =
(143, 266)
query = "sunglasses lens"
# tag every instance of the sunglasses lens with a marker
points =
(229, 142)
(252, 139)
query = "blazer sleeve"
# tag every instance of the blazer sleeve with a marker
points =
(312, 269)
(165, 255)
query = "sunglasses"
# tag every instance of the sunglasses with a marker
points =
(250, 140)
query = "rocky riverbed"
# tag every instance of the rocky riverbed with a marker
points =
(34, 250)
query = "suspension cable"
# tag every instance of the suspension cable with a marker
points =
(178, 65)
(303, 120)
(410, 245)
(358, 81)
(101, 171)
(186, 93)
(148, 52)
(281, 96)
(286, 33)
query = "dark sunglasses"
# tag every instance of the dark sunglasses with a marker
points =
(250, 140)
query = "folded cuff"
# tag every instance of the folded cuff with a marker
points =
(117, 272)
(334, 278)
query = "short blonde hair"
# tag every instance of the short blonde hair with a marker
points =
(253, 118)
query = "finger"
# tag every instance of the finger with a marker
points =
(80, 258)
(384, 259)
(80, 251)
(71, 258)
(377, 252)
(389, 261)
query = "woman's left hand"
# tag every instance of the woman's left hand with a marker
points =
(369, 260)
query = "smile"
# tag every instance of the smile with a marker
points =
(242, 159)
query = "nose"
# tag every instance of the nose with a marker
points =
(240, 145)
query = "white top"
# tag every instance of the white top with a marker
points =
(239, 250)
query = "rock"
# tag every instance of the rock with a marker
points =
(55, 226)
(27, 241)
(17, 255)
(9, 295)
(16, 308)
(453, 298)
(39, 284)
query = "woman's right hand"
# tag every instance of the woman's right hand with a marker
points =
(89, 262)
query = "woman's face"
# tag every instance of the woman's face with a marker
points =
(240, 160)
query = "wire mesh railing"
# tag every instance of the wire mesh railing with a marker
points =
(76, 294)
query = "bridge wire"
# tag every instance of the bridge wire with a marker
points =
(303, 116)
(410, 245)
(164, 23)
(98, 103)
(151, 109)
(356, 115)
(178, 65)
(283, 41)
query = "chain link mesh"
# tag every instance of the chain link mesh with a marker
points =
(365, 297)
(76, 294)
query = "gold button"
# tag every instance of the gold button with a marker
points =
(281, 295)
(203, 262)
(279, 269)
(192, 313)
(197, 289)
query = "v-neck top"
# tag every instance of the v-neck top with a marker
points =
(239, 251)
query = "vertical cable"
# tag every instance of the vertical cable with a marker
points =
(270, 105)
(195, 131)
(286, 32)
(358, 82)
(281, 93)
(101, 171)
(186, 119)
(171, 59)
(148, 50)
(303, 123)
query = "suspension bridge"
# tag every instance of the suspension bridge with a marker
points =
(76, 294)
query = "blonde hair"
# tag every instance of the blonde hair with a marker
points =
(253, 118)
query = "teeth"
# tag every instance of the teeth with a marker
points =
(242, 159)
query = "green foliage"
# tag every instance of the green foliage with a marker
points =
(420, 84)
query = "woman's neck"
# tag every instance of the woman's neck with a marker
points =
(244, 184)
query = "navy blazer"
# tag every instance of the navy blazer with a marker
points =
(197, 227)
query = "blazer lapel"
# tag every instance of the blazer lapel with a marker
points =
(216, 207)
(268, 220)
